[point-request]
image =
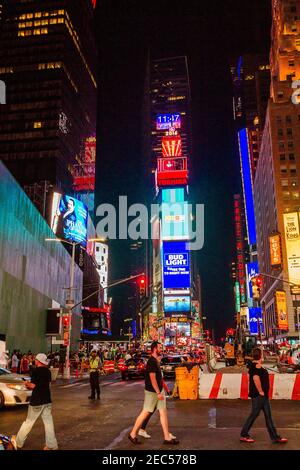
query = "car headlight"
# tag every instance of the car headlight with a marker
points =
(16, 387)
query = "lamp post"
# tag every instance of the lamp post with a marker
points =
(69, 302)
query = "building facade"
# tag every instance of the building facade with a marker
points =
(276, 186)
(48, 62)
(33, 273)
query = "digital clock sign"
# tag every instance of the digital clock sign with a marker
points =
(165, 121)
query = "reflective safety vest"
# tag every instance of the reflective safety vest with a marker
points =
(94, 364)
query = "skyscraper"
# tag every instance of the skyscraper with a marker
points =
(167, 93)
(48, 62)
(276, 186)
(168, 151)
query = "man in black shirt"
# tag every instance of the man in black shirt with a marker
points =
(154, 397)
(259, 393)
(40, 405)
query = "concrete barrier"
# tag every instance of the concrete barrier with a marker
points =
(235, 386)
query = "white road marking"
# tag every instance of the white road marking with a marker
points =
(212, 418)
(118, 439)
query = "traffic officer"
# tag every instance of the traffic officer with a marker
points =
(95, 365)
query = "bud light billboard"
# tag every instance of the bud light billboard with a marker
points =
(255, 315)
(176, 264)
(69, 219)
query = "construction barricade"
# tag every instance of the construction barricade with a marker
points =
(109, 367)
(187, 383)
(233, 386)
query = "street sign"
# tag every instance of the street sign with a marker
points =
(57, 341)
(295, 290)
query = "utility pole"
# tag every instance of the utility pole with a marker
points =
(70, 304)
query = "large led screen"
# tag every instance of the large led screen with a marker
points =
(175, 215)
(177, 304)
(176, 265)
(69, 219)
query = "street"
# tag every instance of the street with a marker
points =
(202, 424)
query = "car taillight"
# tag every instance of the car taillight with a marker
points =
(123, 367)
(141, 366)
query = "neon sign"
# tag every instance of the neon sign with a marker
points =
(165, 121)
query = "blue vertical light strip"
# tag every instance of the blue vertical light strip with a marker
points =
(247, 185)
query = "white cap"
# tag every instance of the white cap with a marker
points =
(41, 357)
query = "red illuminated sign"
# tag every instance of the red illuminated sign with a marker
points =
(94, 3)
(172, 172)
(171, 146)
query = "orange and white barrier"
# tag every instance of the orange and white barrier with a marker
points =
(234, 386)
(109, 367)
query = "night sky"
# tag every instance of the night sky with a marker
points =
(210, 33)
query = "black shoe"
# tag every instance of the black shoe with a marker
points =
(171, 442)
(134, 440)
(91, 398)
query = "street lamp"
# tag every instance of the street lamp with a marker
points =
(69, 302)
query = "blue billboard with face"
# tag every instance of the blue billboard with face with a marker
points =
(176, 265)
(70, 218)
(177, 304)
(255, 316)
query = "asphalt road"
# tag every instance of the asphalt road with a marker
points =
(104, 424)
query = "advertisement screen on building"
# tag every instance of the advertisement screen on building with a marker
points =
(69, 219)
(165, 121)
(247, 184)
(275, 249)
(281, 310)
(174, 215)
(176, 264)
(292, 241)
(177, 304)
(171, 146)
(252, 271)
(255, 316)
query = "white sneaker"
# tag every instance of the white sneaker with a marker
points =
(144, 433)
(172, 436)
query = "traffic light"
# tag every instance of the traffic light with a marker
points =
(256, 283)
(66, 322)
(142, 285)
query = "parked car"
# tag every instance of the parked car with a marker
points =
(169, 363)
(12, 389)
(133, 368)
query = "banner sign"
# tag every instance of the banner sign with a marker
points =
(281, 310)
(176, 265)
(292, 241)
(275, 250)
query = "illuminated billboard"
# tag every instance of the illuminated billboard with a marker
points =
(255, 316)
(177, 304)
(247, 184)
(165, 121)
(175, 215)
(176, 265)
(275, 249)
(252, 271)
(292, 241)
(281, 310)
(69, 219)
(171, 146)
